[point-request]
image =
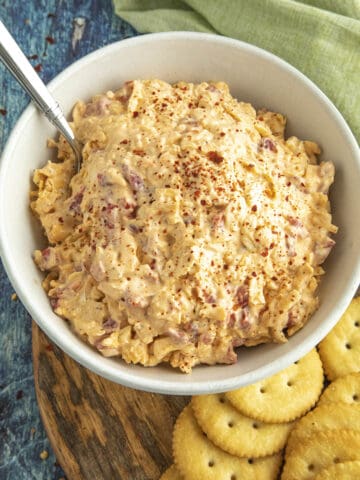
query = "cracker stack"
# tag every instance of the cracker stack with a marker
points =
(243, 434)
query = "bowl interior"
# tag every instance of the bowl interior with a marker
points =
(254, 76)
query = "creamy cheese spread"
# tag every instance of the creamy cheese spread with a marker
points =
(193, 227)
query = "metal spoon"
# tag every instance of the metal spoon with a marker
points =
(16, 62)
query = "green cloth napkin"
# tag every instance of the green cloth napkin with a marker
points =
(321, 38)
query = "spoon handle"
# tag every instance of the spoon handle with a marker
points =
(16, 62)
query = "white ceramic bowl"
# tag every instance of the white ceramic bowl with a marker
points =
(253, 75)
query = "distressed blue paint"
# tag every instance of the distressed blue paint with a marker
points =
(30, 24)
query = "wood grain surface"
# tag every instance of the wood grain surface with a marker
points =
(100, 430)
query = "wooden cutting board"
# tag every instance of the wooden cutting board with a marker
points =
(100, 430)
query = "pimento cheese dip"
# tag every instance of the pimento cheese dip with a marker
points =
(193, 227)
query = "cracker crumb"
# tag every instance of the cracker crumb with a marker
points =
(14, 297)
(19, 395)
(44, 455)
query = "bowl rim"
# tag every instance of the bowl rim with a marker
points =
(116, 374)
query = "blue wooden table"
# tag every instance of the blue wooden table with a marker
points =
(53, 34)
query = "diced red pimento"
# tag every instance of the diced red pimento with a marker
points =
(54, 302)
(128, 208)
(209, 298)
(102, 180)
(178, 336)
(126, 92)
(218, 221)
(134, 180)
(242, 296)
(46, 253)
(48, 258)
(97, 108)
(110, 325)
(268, 144)
(322, 251)
(230, 356)
(212, 88)
(76, 202)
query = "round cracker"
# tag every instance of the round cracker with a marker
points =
(340, 471)
(284, 396)
(235, 433)
(331, 416)
(172, 473)
(321, 450)
(340, 349)
(344, 389)
(196, 457)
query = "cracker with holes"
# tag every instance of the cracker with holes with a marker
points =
(340, 349)
(321, 450)
(235, 433)
(172, 473)
(340, 471)
(283, 396)
(331, 416)
(196, 457)
(344, 389)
